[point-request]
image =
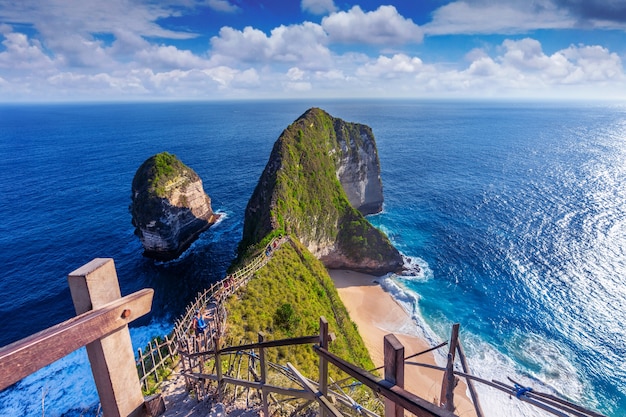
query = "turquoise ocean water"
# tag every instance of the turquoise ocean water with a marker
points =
(515, 211)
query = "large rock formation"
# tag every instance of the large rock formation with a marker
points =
(319, 170)
(169, 206)
(358, 168)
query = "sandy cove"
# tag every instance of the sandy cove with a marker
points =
(377, 314)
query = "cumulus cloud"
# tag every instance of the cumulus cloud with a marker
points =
(303, 44)
(385, 67)
(384, 26)
(523, 65)
(21, 53)
(318, 7)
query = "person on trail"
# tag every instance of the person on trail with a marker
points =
(198, 323)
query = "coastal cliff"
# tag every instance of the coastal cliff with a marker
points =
(169, 206)
(321, 172)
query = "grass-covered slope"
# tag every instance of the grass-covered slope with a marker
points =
(285, 299)
(299, 194)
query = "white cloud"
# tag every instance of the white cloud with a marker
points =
(384, 26)
(303, 44)
(318, 7)
(22, 54)
(300, 86)
(593, 63)
(223, 6)
(507, 17)
(385, 67)
(54, 19)
(169, 57)
(295, 74)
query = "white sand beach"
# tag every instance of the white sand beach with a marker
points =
(377, 314)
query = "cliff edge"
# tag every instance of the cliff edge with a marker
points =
(169, 206)
(321, 171)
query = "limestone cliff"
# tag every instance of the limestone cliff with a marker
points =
(169, 206)
(319, 170)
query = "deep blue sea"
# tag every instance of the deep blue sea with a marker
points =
(515, 211)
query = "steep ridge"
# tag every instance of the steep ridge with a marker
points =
(302, 192)
(169, 206)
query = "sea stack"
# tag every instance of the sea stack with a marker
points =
(169, 206)
(323, 174)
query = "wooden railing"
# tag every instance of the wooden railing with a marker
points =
(210, 372)
(155, 358)
(101, 325)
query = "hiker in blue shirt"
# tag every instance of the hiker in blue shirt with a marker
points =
(198, 323)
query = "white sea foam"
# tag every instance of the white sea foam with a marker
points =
(65, 387)
(416, 269)
(409, 300)
(558, 377)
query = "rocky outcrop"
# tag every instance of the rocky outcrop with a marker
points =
(358, 168)
(320, 171)
(169, 206)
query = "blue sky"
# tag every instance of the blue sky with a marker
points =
(76, 50)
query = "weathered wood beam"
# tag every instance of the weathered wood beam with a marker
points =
(22, 358)
(407, 400)
(394, 371)
(323, 401)
(302, 340)
(289, 392)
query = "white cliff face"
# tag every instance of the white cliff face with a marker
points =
(359, 173)
(167, 222)
(186, 213)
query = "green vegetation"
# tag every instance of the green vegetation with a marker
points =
(152, 382)
(286, 299)
(299, 193)
(153, 179)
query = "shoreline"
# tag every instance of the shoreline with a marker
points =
(376, 314)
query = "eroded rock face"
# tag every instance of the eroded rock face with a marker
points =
(322, 174)
(169, 206)
(358, 168)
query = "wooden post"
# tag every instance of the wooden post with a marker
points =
(112, 360)
(394, 371)
(218, 368)
(266, 409)
(323, 384)
(449, 379)
(470, 383)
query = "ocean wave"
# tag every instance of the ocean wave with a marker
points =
(409, 301)
(525, 363)
(415, 269)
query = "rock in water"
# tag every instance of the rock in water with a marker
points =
(321, 172)
(169, 206)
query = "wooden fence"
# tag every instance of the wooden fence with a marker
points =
(101, 325)
(161, 353)
(215, 372)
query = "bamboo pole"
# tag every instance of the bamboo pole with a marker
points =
(143, 369)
